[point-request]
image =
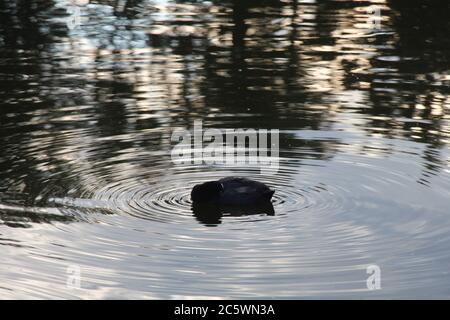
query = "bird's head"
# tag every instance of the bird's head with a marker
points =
(206, 192)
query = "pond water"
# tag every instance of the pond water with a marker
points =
(91, 92)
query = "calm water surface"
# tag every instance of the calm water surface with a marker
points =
(88, 107)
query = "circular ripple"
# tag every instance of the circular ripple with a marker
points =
(167, 199)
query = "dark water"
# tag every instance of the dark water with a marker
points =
(87, 180)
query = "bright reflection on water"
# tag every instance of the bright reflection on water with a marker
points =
(87, 114)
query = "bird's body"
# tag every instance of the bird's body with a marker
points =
(232, 191)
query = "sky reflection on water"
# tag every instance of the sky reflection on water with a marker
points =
(86, 123)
